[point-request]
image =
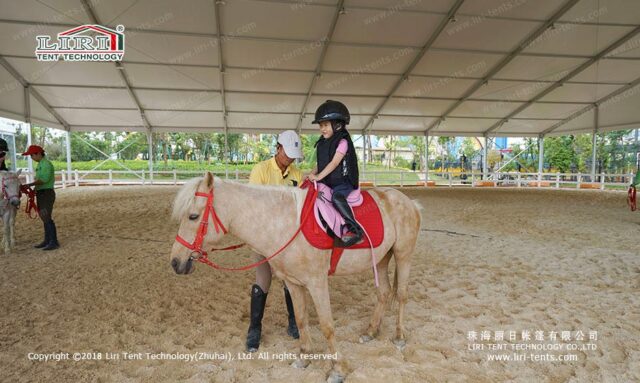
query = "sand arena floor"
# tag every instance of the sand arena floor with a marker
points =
(487, 260)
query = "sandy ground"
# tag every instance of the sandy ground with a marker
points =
(487, 260)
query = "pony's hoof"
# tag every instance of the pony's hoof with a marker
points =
(299, 363)
(400, 343)
(335, 377)
(365, 338)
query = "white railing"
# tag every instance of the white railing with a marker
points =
(367, 178)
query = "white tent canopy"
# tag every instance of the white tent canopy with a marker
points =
(438, 67)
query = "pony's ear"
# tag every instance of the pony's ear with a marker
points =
(18, 173)
(208, 180)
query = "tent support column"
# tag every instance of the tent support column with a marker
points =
(150, 151)
(27, 119)
(68, 157)
(426, 157)
(485, 160)
(596, 126)
(226, 155)
(540, 157)
(364, 151)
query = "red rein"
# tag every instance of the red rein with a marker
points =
(31, 201)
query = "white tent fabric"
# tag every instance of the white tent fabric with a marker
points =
(441, 67)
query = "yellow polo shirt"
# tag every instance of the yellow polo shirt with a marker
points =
(267, 172)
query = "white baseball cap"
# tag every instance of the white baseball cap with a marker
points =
(291, 144)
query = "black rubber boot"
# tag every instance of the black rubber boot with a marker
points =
(53, 241)
(340, 203)
(292, 329)
(258, 301)
(47, 237)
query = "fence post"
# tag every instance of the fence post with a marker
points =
(473, 179)
(401, 179)
(602, 182)
(579, 179)
(518, 180)
(76, 176)
(236, 174)
(64, 181)
(110, 177)
(143, 179)
(175, 177)
(450, 179)
(374, 179)
(557, 180)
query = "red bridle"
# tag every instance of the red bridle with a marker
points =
(196, 246)
(5, 194)
(200, 255)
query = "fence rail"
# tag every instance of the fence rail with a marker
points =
(367, 178)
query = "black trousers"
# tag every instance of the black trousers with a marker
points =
(45, 200)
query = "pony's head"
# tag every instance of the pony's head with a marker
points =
(200, 227)
(11, 187)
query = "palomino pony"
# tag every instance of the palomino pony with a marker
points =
(9, 207)
(266, 217)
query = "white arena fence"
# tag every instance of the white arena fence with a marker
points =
(602, 181)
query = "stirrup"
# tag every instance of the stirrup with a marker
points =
(348, 241)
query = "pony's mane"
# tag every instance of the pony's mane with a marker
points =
(185, 197)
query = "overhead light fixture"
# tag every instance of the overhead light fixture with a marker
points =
(342, 11)
(453, 19)
(119, 65)
(221, 2)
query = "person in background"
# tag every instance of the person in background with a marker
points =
(4, 149)
(277, 170)
(45, 196)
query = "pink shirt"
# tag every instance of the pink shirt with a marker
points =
(342, 146)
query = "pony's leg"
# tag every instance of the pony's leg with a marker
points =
(401, 284)
(12, 229)
(383, 293)
(299, 299)
(320, 295)
(6, 239)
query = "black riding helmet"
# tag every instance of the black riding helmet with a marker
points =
(3, 145)
(332, 110)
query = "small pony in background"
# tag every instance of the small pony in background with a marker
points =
(9, 206)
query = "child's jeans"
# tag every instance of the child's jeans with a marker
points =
(343, 189)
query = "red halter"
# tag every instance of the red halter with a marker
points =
(196, 246)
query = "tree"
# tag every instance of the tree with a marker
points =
(308, 149)
(417, 142)
(130, 145)
(444, 143)
(559, 152)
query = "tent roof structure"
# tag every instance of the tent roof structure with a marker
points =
(438, 67)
